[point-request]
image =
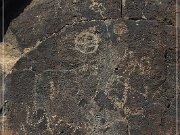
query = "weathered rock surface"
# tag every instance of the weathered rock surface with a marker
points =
(93, 67)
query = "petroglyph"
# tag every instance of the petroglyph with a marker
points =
(87, 42)
(97, 7)
(92, 67)
(117, 88)
(142, 65)
(52, 90)
(120, 28)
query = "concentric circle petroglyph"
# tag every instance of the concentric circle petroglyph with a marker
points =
(87, 42)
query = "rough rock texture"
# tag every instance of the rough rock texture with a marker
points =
(93, 67)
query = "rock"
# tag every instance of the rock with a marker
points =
(93, 68)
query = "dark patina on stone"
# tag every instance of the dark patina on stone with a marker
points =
(94, 68)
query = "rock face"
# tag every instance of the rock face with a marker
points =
(93, 67)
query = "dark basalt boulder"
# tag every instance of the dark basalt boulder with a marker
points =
(93, 67)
